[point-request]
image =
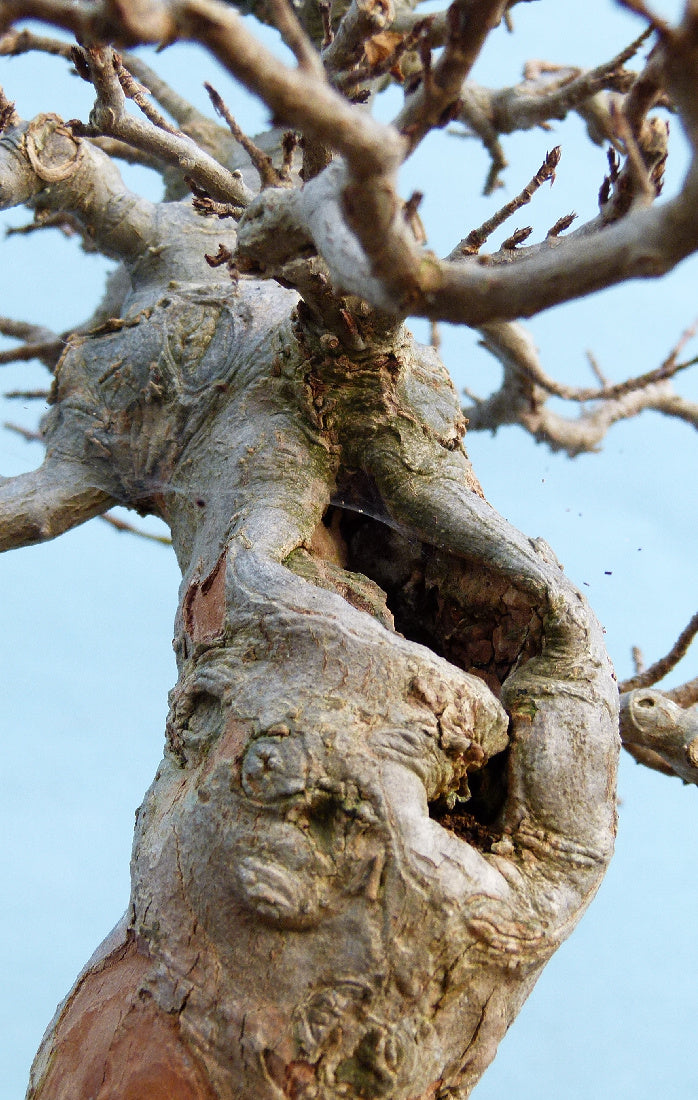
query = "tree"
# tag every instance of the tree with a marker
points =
(391, 748)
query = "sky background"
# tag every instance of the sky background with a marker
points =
(86, 621)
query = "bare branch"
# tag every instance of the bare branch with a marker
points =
(436, 101)
(660, 733)
(139, 94)
(207, 134)
(109, 117)
(189, 119)
(662, 373)
(686, 695)
(397, 275)
(639, 7)
(402, 277)
(638, 659)
(16, 42)
(128, 153)
(477, 237)
(45, 158)
(547, 92)
(47, 352)
(129, 528)
(27, 395)
(42, 504)
(285, 20)
(27, 434)
(24, 330)
(521, 398)
(661, 668)
(262, 161)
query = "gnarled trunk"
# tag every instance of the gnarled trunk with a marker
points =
(388, 788)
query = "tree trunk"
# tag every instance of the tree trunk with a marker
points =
(388, 789)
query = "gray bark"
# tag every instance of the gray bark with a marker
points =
(362, 642)
(388, 787)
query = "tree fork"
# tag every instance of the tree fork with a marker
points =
(388, 787)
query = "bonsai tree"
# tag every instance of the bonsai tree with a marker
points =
(388, 787)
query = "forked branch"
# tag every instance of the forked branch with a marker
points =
(523, 395)
(662, 667)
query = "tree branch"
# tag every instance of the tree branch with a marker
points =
(661, 668)
(110, 118)
(404, 278)
(686, 695)
(477, 237)
(660, 733)
(525, 387)
(123, 525)
(396, 274)
(434, 103)
(40, 505)
(44, 158)
(660, 728)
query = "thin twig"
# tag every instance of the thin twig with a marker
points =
(22, 354)
(638, 659)
(659, 669)
(67, 223)
(139, 94)
(596, 370)
(123, 525)
(268, 174)
(27, 395)
(109, 117)
(13, 43)
(26, 433)
(25, 330)
(477, 237)
(489, 113)
(520, 401)
(667, 369)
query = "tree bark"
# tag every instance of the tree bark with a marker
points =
(388, 787)
(363, 644)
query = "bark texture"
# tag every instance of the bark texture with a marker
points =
(313, 912)
(388, 788)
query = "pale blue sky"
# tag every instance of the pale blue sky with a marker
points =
(87, 620)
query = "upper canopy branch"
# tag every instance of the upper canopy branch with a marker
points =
(523, 395)
(151, 134)
(468, 24)
(403, 278)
